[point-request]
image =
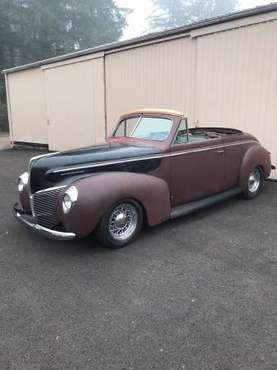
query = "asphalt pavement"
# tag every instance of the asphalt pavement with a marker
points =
(199, 292)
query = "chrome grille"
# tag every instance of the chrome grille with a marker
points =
(44, 205)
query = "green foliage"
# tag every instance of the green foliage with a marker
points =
(176, 13)
(36, 29)
(31, 30)
(3, 108)
(3, 117)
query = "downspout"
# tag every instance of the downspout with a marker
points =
(105, 96)
(9, 110)
(194, 81)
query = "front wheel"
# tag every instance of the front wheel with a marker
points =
(254, 184)
(120, 225)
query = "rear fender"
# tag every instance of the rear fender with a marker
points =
(255, 156)
(98, 193)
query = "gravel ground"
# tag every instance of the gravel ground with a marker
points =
(196, 293)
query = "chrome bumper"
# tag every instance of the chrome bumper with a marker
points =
(48, 233)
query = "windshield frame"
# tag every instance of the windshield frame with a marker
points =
(140, 117)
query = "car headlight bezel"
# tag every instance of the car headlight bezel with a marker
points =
(22, 182)
(70, 197)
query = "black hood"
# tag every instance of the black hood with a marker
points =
(43, 170)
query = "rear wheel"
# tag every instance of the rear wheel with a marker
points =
(120, 225)
(254, 184)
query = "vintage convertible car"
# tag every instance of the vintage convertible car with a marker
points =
(153, 168)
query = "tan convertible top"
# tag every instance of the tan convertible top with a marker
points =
(170, 112)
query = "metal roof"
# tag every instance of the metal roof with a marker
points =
(151, 37)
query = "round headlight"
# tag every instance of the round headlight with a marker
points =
(67, 203)
(22, 181)
(70, 197)
(20, 185)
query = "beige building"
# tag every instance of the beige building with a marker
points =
(220, 72)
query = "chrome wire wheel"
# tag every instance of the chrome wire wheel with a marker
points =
(123, 221)
(254, 181)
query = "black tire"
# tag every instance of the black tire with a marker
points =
(254, 184)
(130, 217)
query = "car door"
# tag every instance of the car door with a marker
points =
(197, 168)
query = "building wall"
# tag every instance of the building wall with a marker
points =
(236, 82)
(225, 78)
(222, 75)
(61, 105)
(75, 104)
(27, 106)
(159, 75)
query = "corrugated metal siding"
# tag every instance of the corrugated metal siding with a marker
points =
(159, 75)
(219, 75)
(75, 104)
(236, 81)
(27, 106)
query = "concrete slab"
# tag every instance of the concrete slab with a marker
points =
(4, 141)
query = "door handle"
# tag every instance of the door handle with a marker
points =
(220, 151)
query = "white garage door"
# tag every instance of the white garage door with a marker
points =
(75, 104)
(237, 82)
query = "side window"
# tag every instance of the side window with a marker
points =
(126, 127)
(182, 134)
(131, 125)
(120, 129)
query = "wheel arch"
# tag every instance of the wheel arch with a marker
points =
(255, 156)
(98, 193)
(144, 212)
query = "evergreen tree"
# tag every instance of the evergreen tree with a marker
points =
(176, 13)
(31, 30)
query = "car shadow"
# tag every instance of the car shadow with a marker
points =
(90, 246)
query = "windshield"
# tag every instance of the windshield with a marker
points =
(147, 128)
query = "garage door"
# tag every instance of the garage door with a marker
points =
(75, 104)
(237, 82)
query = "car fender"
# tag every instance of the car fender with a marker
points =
(98, 193)
(255, 156)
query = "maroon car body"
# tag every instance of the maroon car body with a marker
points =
(163, 171)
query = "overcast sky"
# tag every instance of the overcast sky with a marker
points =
(142, 10)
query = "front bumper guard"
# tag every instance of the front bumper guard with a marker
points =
(48, 233)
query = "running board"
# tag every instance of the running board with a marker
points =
(188, 208)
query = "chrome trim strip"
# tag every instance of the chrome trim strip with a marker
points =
(157, 156)
(32, 206)
(50, 189)
(51, 234)
(38, 157)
